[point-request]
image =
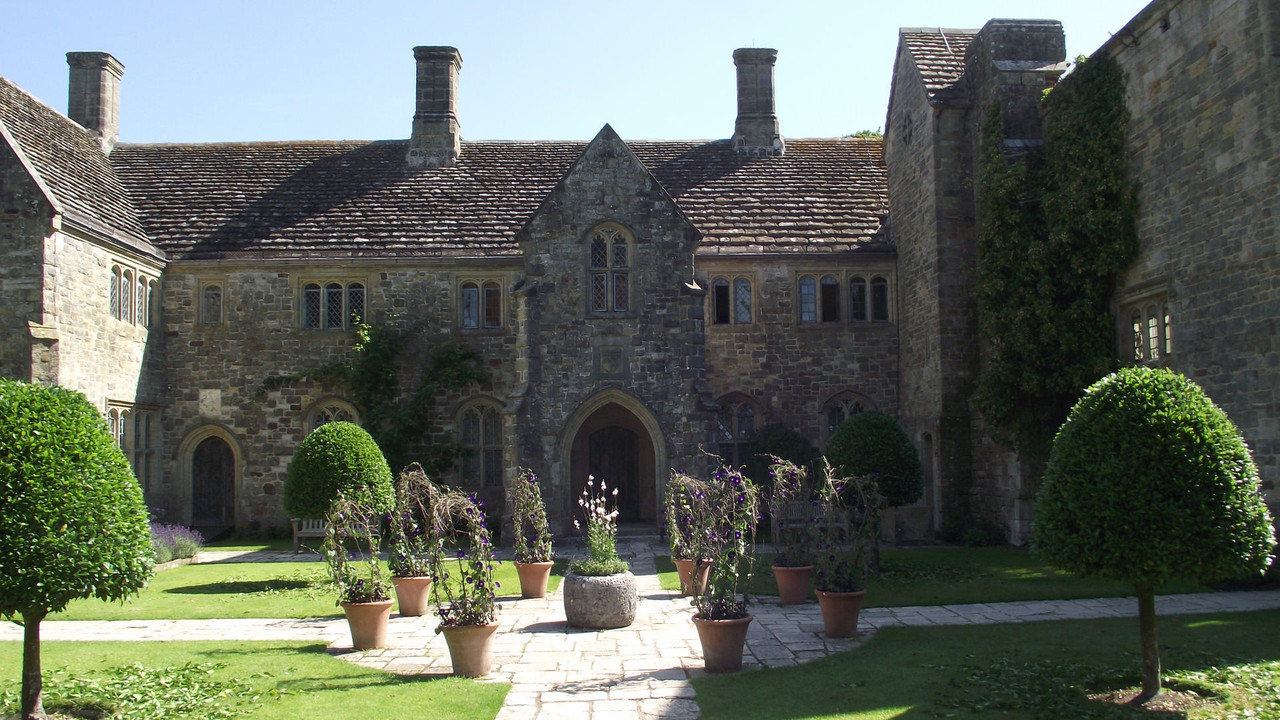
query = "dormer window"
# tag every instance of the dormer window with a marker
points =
(610, 270)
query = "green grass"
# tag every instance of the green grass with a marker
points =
(246, 590)
(950, 576)
(1032, 670)
(266, 681)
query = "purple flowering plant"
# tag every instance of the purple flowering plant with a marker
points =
(462, 588)
(790, 508)
(846, 521)
(351, 535)
(678, 512)
(174, 542)
(529, 517)
(725, 510)
(410, 545)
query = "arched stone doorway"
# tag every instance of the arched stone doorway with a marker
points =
(615, 442)
(213, 483)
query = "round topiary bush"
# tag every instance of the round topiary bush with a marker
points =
(1148, 481)
(73, 523)
(336, 456)
(872, 444)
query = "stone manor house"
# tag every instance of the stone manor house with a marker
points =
(634, 302)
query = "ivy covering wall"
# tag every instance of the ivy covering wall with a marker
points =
(1056, 230)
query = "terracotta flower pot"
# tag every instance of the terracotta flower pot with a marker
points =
(684, 569)
(412, 594)
(470, 648)
(368, 623)
(722, 643)
(793, 584)
(840, 612)
(533, 578)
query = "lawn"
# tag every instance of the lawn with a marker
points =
(267, 681)
(950, 576)
(1036, 671)
(245, 590)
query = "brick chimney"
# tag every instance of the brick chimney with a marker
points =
(94, 95)
(435, 141)
(756, 129)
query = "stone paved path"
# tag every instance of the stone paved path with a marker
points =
(641, 671)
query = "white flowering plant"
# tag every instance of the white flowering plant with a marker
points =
(601, 532)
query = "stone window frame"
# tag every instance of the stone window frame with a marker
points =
(480, 431)
(327, 290)
(135, 428)
(842, 405)
(874, 305)
(1145, 324)
(489, 302)
(734, 312)
(732, 439)
(832, 296)
(131, 294)
(211, 300)
(604, 272)
(330, 409)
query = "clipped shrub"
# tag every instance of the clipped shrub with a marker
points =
(1149, 481)
(337, 456)
(872, 444)
(72, 520)
(776, 441)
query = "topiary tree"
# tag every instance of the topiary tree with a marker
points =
(72, 520)
(872, 444)
(336, 456)
(776, 441)
(1148, 482)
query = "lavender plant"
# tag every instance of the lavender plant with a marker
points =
(529, 517)
(462, 587)
(602, 532)
(793, 537)
(725, 512)
(410, 547)
(846, 523)
(678, 511)
(351, 538)
(174, 542)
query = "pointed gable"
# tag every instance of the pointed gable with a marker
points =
(938, 56)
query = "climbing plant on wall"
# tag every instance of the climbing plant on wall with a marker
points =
(1056, 231)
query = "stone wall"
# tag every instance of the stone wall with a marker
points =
(25, 220)
(1204, 102)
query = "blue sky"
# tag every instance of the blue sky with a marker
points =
(238, 70)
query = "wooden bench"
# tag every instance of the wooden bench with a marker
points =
(305, 529)
(798, 514)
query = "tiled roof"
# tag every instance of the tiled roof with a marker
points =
(357, 199)
(939, 56)
(70, 162)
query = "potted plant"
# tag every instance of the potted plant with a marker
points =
(846, 528)
(463, 588)
(532, 535)
(599, 590)
(725, 512)
(791, 513)
(678, 511)
(351, 535)
(410, 546)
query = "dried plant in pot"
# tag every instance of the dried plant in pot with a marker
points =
(599, 590)
(678, 515)
(846, 531)
(725, 513)
(532, 535)
(351, 550)
(792, 512)
(410, 546)
(463, 588)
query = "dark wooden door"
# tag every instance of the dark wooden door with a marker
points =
(213, 481)
(615, 459)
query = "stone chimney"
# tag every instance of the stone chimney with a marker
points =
(435, 141)
(756, 130)
(94, 95)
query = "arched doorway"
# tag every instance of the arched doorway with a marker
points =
(213, 484)
(615, 446)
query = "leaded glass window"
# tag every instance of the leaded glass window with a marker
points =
(610, 263)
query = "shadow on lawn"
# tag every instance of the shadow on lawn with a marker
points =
(242, 587)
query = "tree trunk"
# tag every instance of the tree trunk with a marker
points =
(32, 682)
(1150, 644)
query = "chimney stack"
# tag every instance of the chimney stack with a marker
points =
(756, 130)
(94, 95)
(435, 141)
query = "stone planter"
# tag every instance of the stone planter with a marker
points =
(533, 578)
(722, 643)
(840, 612)
(412, 594)
(684, 569)
(470, 648)
(793, 584)
(368, 623)
(600, 602)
